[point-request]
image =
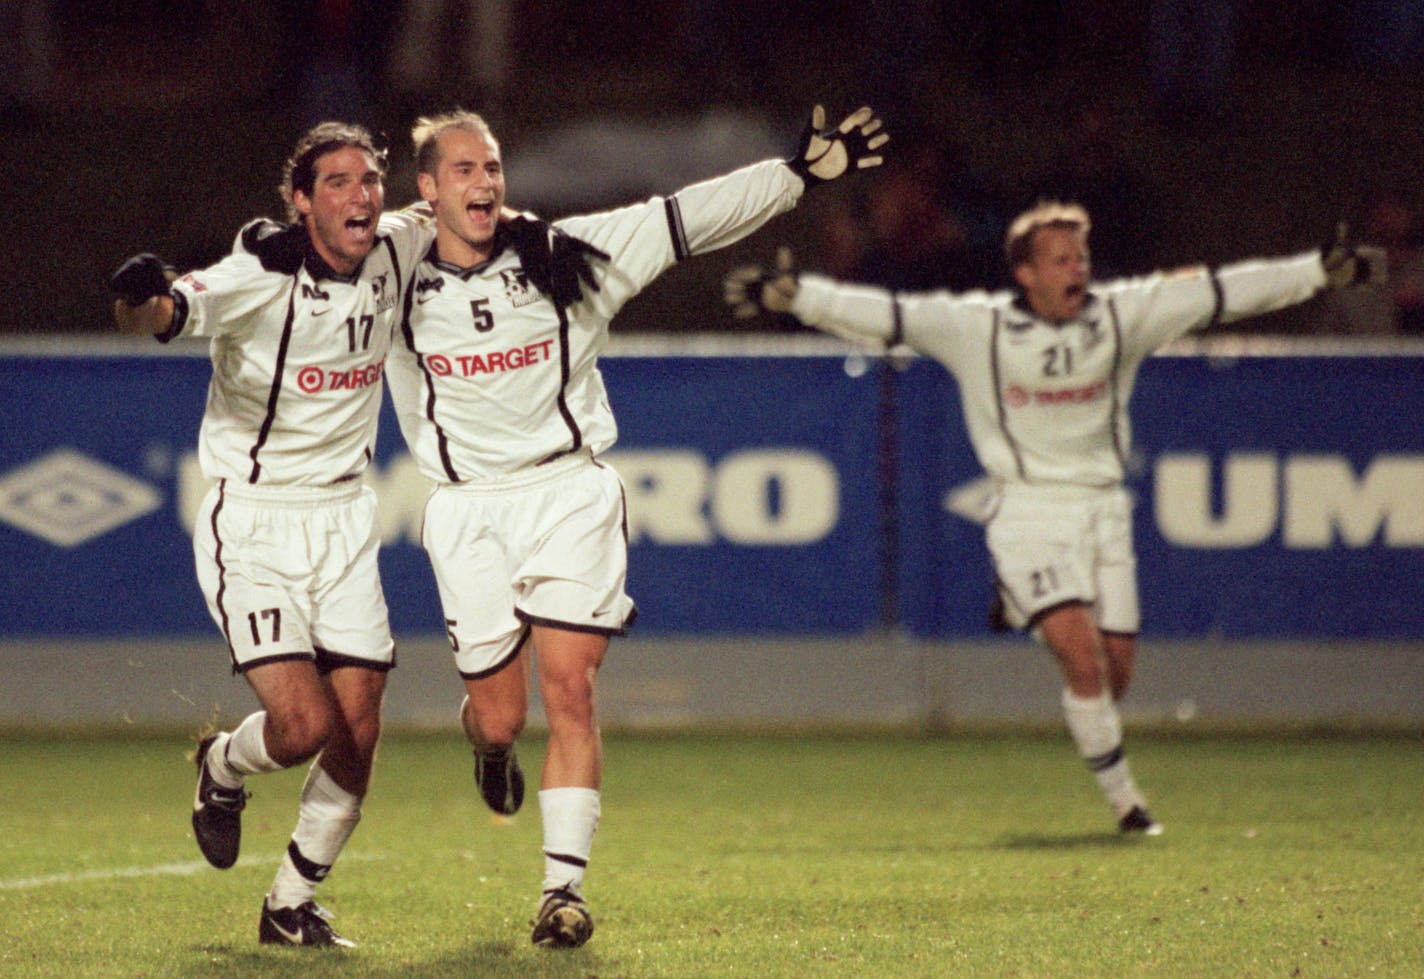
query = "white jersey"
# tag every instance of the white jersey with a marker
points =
(1046, 403)
(489, 378)
(298, 353)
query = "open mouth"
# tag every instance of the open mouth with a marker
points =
(359, 225)
(480, 209)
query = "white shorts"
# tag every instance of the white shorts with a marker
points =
(544, 547)
(290, 573)
(1055, 545)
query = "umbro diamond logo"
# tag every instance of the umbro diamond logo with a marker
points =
(67, 498)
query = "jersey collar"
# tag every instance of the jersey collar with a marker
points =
(501, 243)
(1021, 316)
(318, 269)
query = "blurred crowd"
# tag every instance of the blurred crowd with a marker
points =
(932, 218)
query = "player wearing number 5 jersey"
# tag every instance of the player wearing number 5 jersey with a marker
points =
(299, 320)
(1045, 374)
(496, 384)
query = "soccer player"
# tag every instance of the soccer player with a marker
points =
(496, 384)
(300, 318)
(1045, 373)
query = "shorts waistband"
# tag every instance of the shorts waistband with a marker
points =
(294, 496)
(538, 475)
(1057, 492)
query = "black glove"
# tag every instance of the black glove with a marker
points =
(141, 278)
(750, 289)
(571, 268)
(279, 247)
(825, 154)
(1348, 265)
(555, 267)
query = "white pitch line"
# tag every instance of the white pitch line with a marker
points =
(123, 873)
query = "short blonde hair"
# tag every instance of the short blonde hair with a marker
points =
(1018, 242)
(425, 136)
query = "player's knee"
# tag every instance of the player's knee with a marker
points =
(1082, 674)
(299, 734)
(568, 700)
(493, 725)
(365, 734)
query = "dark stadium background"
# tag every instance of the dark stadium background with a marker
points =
(163, 124)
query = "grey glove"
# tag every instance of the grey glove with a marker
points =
(1348, 265)
(750, 289)
(825, 154)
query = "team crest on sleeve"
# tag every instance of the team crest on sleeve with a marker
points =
(193, 282)
(517, 287)
(385, 299)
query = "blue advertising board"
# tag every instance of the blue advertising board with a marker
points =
(1278, 496)
(750, 506)
(797, 491)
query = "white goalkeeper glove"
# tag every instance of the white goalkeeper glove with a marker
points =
(825, 154)
(750, 289)
(1352, 265)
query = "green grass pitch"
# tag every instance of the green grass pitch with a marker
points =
(978, 853)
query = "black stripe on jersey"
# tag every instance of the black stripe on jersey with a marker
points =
(276, 390)
(563, 403)
(222, 571)
(1219, 303)
(994, 332)
(897, 322)
(1116, 377)
(680, 248)
(440, 439)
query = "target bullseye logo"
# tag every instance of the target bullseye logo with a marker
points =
(439, 364)
(311, 379)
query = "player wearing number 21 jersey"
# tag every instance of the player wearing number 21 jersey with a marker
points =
(1045, 374)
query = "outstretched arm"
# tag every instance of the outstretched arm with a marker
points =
(868, 317)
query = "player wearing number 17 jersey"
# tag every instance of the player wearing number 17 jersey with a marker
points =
(496, 384)
(299, 320)
(1044, 375)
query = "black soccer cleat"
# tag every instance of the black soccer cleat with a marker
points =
(1139, 820)
(500, 779)
(217, 813)
(564, 920)
(306, 924)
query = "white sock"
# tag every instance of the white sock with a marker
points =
(326, 820)
(243, 752)
(570, 820)
(1096, 729)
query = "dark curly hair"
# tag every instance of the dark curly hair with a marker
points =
(299, 172)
